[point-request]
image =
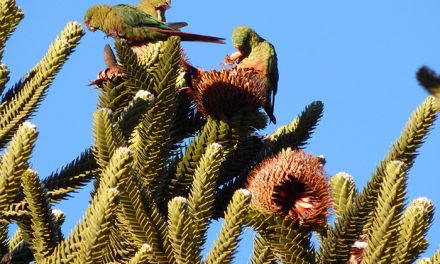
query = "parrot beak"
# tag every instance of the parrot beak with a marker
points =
(89, 27)
(164, 7)
(168, 4)
(235, 55)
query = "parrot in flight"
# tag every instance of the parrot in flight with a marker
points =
(155, 8)
(137, 27)
(254, 52)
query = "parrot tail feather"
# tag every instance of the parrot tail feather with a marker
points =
(177, 25)
(185, 36)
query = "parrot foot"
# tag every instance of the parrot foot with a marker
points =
(236, 55)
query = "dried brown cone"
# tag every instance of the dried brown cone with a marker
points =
(229, 91)
(292, 184)
(108, 74)
(357, 250)
(191, 74)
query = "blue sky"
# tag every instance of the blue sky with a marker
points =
(358, 57)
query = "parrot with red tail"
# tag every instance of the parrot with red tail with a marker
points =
(135, 26)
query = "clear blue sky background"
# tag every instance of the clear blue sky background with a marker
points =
(358, 57)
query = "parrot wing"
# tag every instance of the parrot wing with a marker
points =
(273, 68)
(134, 17)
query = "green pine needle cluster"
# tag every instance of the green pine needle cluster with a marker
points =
(162, 173)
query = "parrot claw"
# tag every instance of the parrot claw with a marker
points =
(228, 60)
(236, 55)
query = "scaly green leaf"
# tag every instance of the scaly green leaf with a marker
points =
(23, 103)
(225, 246)
(14, 162)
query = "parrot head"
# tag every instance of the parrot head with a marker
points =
(95, 16)
(163, 5)
(244, 38)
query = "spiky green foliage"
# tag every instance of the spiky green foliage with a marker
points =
(142, 255)
(3, 238)
(412, 230)
(244, 143)
(214, 131)
(44, 232)
(138, 77)
(107, 136)
(59, 218)
(201, 197)
(383, 231)
(14, 163)
(4, 77)
(435, 259)
(133, 112)
(113, 96)
(300, 129)
(10, 16)
(288, 240)
(343, 192)
(336, 246)
(100, 212)
(143, 220)
(225, 246)
(262, 253)
(15, 239)
(71, 177)
(153, 138)
(95, 236)
(23, 101)
(180, 231)
(424, 261)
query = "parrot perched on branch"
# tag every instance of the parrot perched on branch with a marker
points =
(155, 8)
(137, 27)
(254, 52)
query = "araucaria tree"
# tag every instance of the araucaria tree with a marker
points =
(176, 147)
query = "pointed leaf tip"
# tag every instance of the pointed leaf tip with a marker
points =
(245, 192)
(30, 125)
(180, 199)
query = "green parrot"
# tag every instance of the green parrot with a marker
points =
(155, 8)
(135, 26)
(256, 53)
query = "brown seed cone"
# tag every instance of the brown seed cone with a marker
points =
(292, 184)
(191, 73)
(357, 250)
(229, 91)
(108, 74)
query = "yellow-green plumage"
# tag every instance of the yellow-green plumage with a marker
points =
(135, 26)
(258, 54)
(155, 8)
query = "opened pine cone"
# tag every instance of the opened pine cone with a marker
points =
(229, 91)
(108, 74)
(292, 184)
